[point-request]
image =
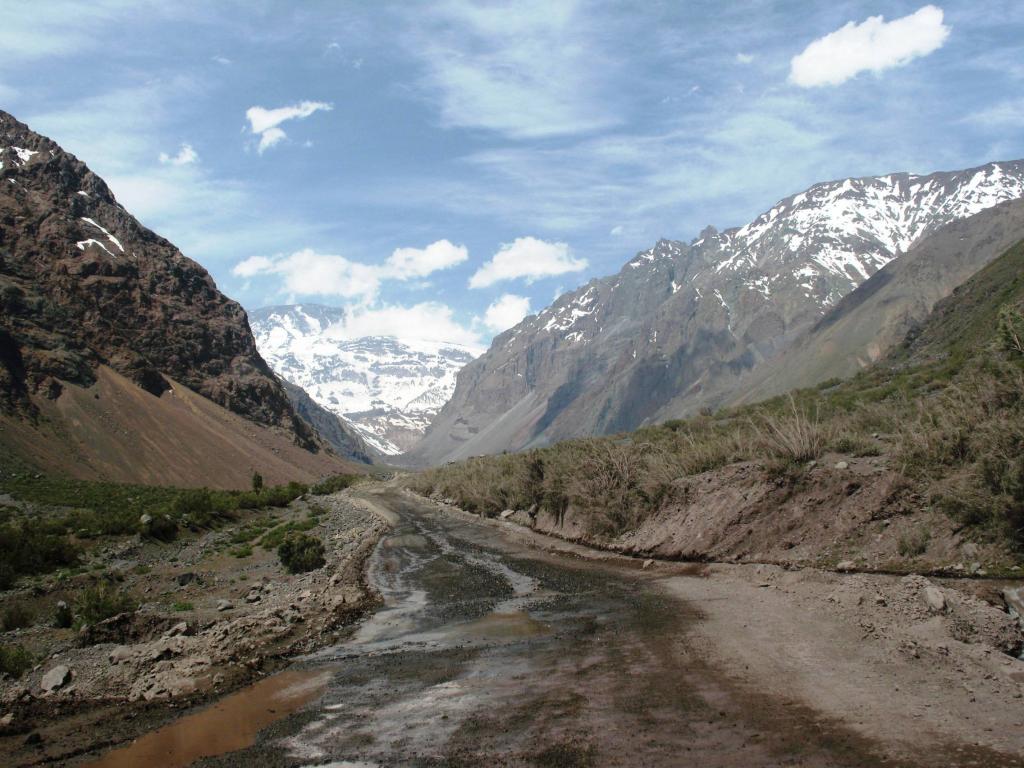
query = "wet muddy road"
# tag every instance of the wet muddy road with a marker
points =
(487, 652)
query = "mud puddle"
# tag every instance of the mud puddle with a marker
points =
(229, 725)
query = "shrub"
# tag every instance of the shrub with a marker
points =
(300, 553)
(15, 660)
(101, 602)
(32, 546)
(333, 484)
(160, 527)
(182, 605)
(257, 482)
(793, 434)
(915, 543)
(16, 616)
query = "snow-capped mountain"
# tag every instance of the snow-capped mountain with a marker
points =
(388, 389)
(680, 323)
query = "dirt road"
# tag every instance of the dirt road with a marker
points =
(491, 650)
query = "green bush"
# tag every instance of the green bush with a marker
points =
(182, 605)
(300, 553)
(32, 546)
(15, 660)
(333, 484)
(101, 602)
(257, 482)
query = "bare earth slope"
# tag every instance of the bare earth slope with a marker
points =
(113, 430)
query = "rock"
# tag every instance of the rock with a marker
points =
(254, 595)
(842, 465)
(145, 519)
(975, 567)
(1014, 597)
(181, 628)
(507, 514)
(34, 739)
(647, 564)
(56, 678)
(934, 598)
(224, 605)
(6, 720)
(120, 654)
(879, 599)
(184, 579)
(846, 565)
(969, 549)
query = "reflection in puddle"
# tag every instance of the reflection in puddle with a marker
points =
(228, 725)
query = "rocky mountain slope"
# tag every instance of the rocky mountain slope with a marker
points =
(85, 287)
(879, 314)
(682, 323)
(388, 389)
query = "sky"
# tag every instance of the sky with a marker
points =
(442, 169)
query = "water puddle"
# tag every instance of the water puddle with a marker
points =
(228, 725)
(500, 626)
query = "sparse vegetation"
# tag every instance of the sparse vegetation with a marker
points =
(300, 553)
(15, 660)
(182, 605)
(78, 511)
(16, 616)
(946, 410)
(100, 602)
(333, 484)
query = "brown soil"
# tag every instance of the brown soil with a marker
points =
(840, 510)
(114, 430)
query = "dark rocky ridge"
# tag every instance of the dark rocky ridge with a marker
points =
(75, 296)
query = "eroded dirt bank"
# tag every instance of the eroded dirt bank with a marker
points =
(497, 645)
(214, 615)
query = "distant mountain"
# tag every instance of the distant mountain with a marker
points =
(388, 389)
(682, 324)
(93, 302)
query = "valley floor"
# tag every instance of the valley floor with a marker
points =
(216, 612)
(497, 645)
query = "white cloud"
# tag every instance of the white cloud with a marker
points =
(529, 258)
(266, 123)
(224, 60)
(186, 156)
(506, 311)
(408, 263)
(616, 230)
(744, 58)
(873, 45)
(428, 321)
(309, 273)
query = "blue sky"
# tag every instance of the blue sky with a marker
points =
(441, 168)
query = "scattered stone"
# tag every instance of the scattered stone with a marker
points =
(846, 565)
(34, 739)
(181, 628)
(1014, 597)
(879, 599)
(507, 514)
(6, 720)
(935, 599)
(975, 567)
(254, 595)
(647, 564)
(56, 678)
(120, 654)
(145, 519)
(184, 579)
(224, 605)
(842, 465)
